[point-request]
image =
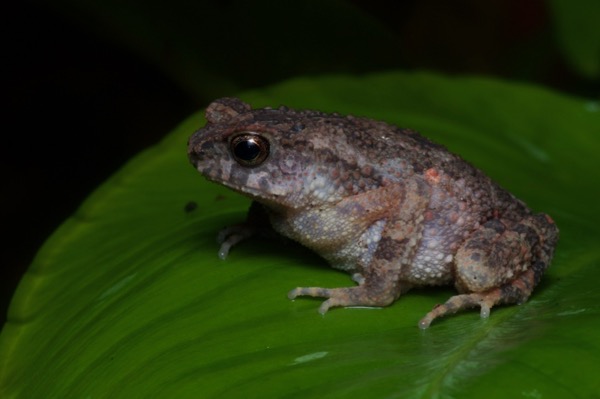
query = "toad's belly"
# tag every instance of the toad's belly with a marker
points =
(433, 261)
(430, 266)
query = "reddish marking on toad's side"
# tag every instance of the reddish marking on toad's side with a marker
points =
(432, 176)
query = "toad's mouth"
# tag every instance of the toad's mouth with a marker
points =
(256, 186)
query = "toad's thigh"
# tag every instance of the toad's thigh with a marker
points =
(494, 255)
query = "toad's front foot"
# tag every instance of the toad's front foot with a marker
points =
(232, 235)
(351, 296)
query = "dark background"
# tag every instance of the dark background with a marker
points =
(84, 95)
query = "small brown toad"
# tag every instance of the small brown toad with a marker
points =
(382, 203)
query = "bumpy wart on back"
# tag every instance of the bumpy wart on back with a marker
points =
(383, 203)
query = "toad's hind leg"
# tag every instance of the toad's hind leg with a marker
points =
(516, 291)
(500, 265)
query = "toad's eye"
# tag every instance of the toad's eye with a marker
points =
(249, 149)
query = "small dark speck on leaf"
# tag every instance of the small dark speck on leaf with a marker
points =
(190, 206)
(220, 197)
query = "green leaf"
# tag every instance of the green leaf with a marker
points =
(129, 300)
(578, 34)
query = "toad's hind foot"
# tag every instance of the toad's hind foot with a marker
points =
(351, 296)
(516, 291)
(465, 301)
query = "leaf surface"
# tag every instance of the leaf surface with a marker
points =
(129, 300)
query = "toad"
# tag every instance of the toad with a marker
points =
(383, 203)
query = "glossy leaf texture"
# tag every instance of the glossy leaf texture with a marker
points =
(128, 299)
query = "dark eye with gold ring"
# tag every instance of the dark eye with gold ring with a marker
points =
(249, 149)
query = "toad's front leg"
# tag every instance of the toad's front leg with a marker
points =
(257, 223)
(397, 209)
